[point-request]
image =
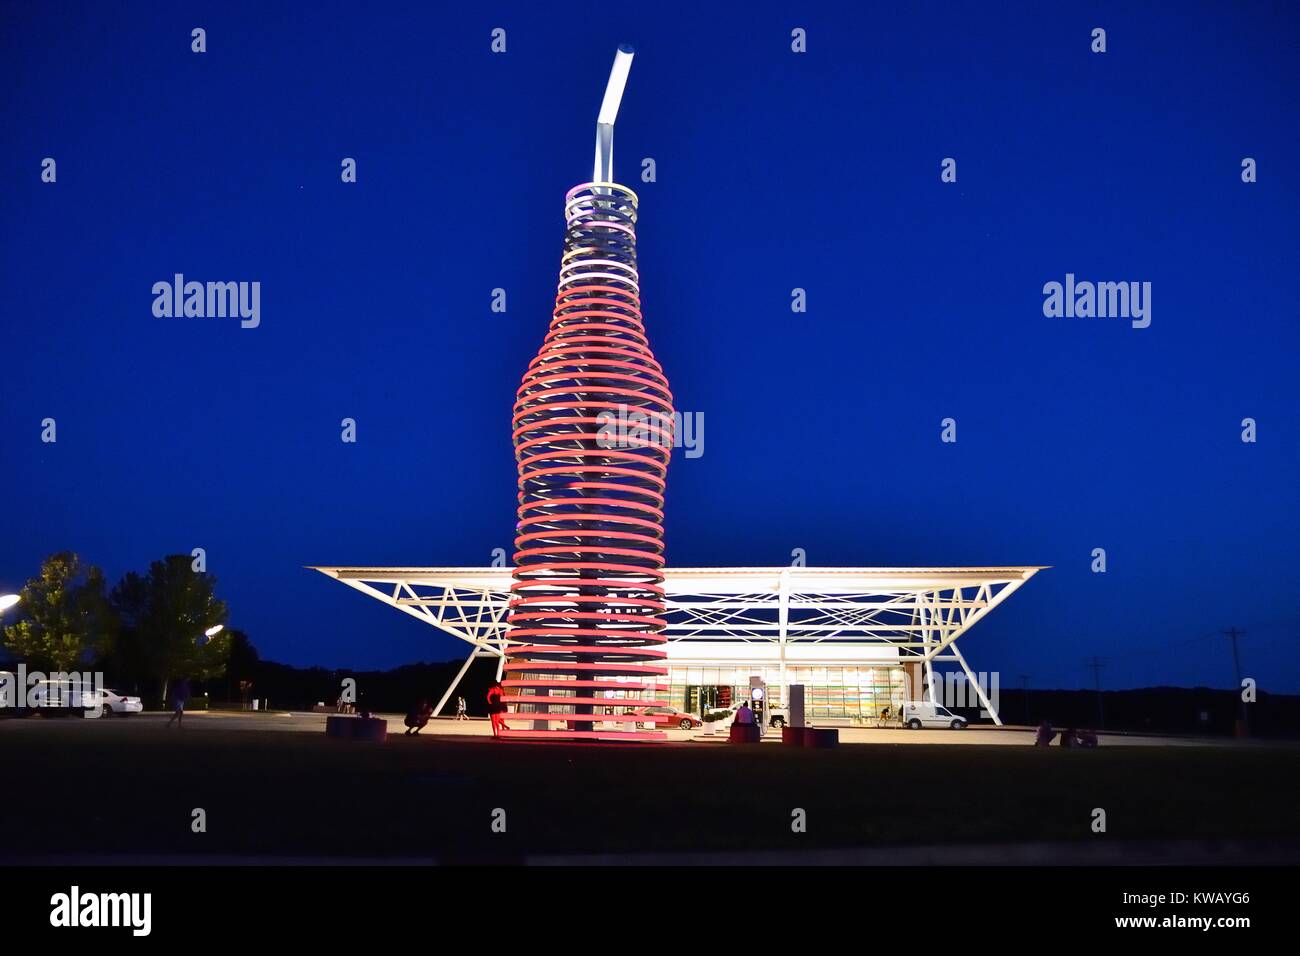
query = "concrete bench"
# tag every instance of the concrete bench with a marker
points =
(810, 736)
(347, 727)
(745, 734)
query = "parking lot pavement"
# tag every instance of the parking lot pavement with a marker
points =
(1000, 737)
(303, 722)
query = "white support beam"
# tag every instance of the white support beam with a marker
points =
(979, 691)
(783, 613)
(455, 681)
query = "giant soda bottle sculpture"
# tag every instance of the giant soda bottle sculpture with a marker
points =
(593, 427)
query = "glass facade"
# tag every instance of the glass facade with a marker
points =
(850, 691)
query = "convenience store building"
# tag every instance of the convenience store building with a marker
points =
(857, 639)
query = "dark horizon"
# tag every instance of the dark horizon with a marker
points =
(776, 171)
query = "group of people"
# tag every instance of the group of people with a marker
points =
(1069, 737)
(422, 713)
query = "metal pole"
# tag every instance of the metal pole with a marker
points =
(603, 168)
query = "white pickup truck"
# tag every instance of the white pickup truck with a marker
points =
(920, 713)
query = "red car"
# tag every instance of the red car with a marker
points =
(675, 717)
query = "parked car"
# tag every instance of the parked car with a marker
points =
(919, 713)
(114, 704)
(9, 687)
(63, 698)
(676, 717)
(59, 699)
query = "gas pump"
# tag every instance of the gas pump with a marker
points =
(758, 702)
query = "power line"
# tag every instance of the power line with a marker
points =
(1047, 679)
(1209, 635)
(1232, 634)
(1161, 648)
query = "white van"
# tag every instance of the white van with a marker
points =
(920, 713)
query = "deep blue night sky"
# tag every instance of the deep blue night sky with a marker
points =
(775, 170)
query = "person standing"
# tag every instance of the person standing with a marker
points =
(497, 708)
(460, 709)
(180, 695)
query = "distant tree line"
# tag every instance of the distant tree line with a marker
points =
(286, 687)
(1162, 710)
(148, 630)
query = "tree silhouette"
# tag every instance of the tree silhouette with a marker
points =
(166, 612)
(65, 615)
(243, 661)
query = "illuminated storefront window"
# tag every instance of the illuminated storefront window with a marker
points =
(848, 692)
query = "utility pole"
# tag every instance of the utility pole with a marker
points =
(1096, 663)
(1232, 634)
(1024, 693)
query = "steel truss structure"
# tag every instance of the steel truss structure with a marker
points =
(779, 616)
